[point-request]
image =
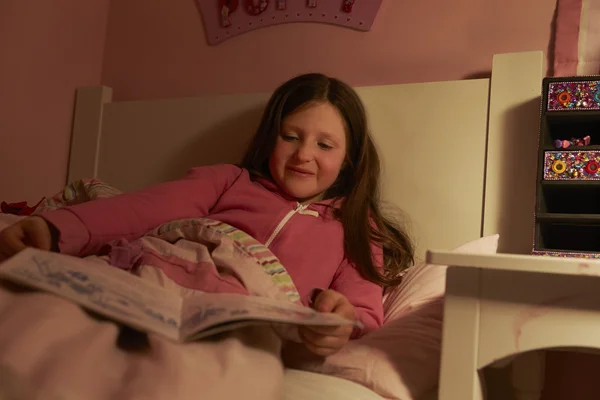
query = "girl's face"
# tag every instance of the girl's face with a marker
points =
(309, 151)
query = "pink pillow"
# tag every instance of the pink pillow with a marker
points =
(8, 219)
(402, 359)
(424, 282)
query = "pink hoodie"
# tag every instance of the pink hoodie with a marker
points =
(308, 241)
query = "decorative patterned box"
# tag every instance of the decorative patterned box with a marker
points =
(572, 165)
(573, 96)
(566, 254)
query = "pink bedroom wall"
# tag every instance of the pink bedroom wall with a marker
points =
(47, 48)
(158, 49)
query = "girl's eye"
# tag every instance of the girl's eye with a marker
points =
(288, 138)
(325, 146)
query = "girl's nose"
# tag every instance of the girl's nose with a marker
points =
(304, 153)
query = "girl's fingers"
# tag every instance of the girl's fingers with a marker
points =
(321, 345)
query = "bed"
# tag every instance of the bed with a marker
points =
(452, 154)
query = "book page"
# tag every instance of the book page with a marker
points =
(99, 287)
(203, 312)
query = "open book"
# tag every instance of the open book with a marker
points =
(128, 299)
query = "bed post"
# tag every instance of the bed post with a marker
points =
(87, 130)
(510, 179)
(511, 159)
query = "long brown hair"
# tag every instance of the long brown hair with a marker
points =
(358, 183)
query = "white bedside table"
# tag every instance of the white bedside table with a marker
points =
(498, 306)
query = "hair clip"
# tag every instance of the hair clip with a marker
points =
(563, 144)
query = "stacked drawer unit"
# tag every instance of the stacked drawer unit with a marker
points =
(567, 213)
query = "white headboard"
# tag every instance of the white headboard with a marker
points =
(458, 157)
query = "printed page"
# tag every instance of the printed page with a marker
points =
(99, 287)
(208, 313)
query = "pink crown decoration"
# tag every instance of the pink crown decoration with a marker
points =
(224, 19)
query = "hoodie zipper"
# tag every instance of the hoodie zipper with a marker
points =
(300, 208)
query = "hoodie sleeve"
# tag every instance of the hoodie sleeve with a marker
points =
(364, 295)
(84, 228)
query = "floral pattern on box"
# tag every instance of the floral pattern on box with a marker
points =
(572, 165)
(572, 96)
(566, 254)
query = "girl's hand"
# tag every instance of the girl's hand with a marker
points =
(326, 340)
(28, 232)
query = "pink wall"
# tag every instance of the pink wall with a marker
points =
(158, 49)
(47, 48)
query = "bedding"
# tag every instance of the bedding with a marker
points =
(52, 349)
(309, 385)
(44, 339)
(400, 361)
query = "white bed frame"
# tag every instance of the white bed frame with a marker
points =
(459, 157)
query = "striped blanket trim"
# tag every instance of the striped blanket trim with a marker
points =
(248, 246)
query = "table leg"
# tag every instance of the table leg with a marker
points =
(459, 376)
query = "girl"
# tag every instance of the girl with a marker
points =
(307, 188)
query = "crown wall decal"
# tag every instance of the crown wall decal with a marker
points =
(224, 19)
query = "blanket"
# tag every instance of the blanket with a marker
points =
(53, 349)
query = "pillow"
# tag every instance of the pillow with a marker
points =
(401, 360)
(8, 219)
(424, 282)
